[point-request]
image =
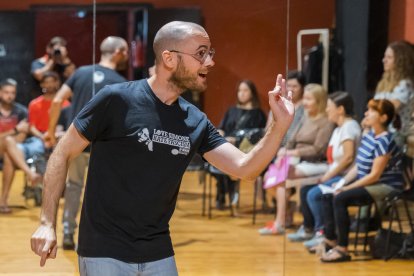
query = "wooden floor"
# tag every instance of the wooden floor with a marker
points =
(221, 246)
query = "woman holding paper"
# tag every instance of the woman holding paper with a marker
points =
(377, 173)
(340, 156)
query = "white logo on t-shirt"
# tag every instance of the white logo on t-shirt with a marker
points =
(98, 77)
(180, 143)
(144, 137)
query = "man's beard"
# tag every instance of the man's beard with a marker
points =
(183, 80)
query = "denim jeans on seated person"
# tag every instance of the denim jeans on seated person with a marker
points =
(111, 267)
(314, 198)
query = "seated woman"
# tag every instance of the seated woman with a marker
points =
(376, 174)
(308, 144)
(396, 84)
(340, 155)
(245, 115)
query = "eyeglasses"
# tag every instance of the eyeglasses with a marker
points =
(201, 55)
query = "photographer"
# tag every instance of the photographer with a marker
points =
(56, 59)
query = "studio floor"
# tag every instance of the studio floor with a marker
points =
(224, 245)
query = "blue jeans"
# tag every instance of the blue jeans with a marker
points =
(314, 199)
(32, 146)
(111, 267)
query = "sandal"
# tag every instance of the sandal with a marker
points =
(335, 256)
(272, 229)
(5, 210)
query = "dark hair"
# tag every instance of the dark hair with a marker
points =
(50, 74)
(8, 82)
(299, 75)
(253, 90)
(342, 98)
(386, 107)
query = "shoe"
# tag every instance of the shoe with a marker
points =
(271, 230)
(316, 240)
(300, 235)
(68, 243)
(335, 256)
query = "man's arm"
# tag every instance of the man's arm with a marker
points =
(232, 161)
(64, 93)
(43, 241)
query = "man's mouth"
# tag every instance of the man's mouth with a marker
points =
(203, 75)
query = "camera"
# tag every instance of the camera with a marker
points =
(57, 52)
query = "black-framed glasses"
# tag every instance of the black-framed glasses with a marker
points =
(201, 55)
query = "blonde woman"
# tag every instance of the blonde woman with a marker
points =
(396, 84)
(309, 144)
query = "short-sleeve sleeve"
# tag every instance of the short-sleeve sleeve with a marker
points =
(402, 92)
(36, 64)
(211, 139)
(71, 81)
(382, 146)
(92, 119)
(350, 131)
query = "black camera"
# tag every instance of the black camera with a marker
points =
(57, 52)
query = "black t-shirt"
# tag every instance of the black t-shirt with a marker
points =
(82, 81)
(140, 150)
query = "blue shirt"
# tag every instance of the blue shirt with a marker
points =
(373, 146)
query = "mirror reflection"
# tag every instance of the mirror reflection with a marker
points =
(322, 196)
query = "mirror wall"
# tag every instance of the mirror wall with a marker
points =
(253, 40)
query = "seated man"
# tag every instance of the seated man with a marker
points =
(15, 153)
(12, 123)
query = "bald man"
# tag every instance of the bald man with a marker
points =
(80, 88)
(143, 135)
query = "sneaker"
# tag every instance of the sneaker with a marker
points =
(317, 239)
(300, 235)
(272, 230)
(68, 243)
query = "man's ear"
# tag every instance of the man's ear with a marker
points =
(168, 59)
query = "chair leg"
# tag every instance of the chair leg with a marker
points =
(387, 243)
(367, 229)
(397, 216)
(357, 230)
(256, 183)
(203, 213)
(209, 195)
(410, 220)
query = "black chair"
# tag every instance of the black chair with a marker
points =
(212, 172)
(405, 196)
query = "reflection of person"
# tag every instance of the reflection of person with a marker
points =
(15, 153)
(396, 84)
(133, 179)
(375, 175)
(13, 123)
(80, 88)
(309, 144)
(245, 115)
(56, 59)
(296, 81)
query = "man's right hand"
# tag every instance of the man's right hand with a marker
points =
(44, 243)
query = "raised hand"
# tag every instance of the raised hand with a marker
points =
(281, 104)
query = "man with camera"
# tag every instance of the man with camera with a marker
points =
(56, 59)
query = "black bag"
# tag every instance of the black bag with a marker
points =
(407, 248)
(380, 241)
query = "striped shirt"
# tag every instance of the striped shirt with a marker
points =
(372, 147)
